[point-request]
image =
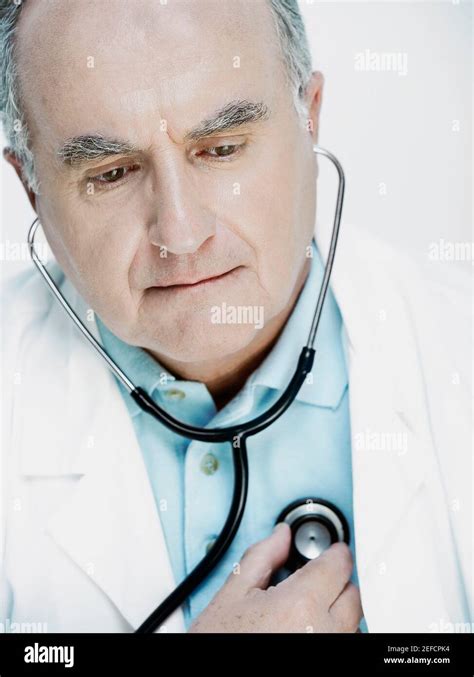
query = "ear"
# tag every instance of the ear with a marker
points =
(314, 98)
(12, 159)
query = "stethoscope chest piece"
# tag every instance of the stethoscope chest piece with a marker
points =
(315, 525)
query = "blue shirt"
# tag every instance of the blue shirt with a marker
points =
(306, 452)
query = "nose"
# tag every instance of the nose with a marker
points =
(182, 223)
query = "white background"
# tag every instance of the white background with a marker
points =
(408, 172)
(398, 130)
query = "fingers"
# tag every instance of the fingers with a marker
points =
(319, 594)
(347, 609)
(326, 576)
(261, 560)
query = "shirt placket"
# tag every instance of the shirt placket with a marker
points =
(208, 487)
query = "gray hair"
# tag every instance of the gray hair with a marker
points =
(289, 28)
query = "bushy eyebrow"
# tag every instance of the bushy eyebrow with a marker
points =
(233, 115)
(85, 148)
(88, 147)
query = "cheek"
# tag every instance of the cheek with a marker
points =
(276, 218)
(95, 255)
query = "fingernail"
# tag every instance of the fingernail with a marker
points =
(278, 527)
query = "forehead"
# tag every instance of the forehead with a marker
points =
(89, 65)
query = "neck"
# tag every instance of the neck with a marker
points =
(224, 377)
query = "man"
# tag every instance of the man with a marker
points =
(167, 150)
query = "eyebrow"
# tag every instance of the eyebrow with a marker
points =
(85, 148)
(232, 115)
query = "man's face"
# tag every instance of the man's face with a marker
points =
(136, 230)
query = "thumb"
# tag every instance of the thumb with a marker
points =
(261, 560)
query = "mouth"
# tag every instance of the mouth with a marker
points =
(196, 284)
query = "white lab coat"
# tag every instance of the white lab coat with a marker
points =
(83, 548)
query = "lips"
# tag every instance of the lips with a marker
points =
(184, 283)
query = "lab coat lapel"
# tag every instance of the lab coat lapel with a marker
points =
(109, 526)
(393, 455)
(387, 408)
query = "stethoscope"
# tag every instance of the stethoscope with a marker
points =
(315, 524)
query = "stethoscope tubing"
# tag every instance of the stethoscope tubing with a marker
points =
(200, 572)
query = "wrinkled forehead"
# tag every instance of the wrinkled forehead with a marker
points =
(85, 64)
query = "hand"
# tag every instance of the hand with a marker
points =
(316, 598)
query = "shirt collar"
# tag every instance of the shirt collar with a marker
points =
(137, 364)
(324, 387)
(327, 382)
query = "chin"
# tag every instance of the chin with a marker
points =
(202, 342)
(201, 326)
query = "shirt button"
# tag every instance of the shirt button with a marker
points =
(209, 544)
(209, 464)
(175, 394)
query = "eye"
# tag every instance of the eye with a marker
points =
(224, 151)
(113, 176)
